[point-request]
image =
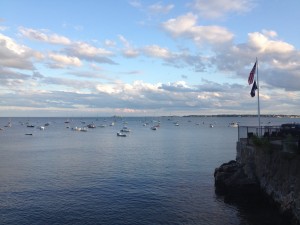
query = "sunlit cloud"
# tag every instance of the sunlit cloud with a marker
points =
(88, 52)
(15, 55)
(157, 51)
(61, 61)
(44, 37)
(79, 50)
(279, 62)
(263, 44)
(186, 27)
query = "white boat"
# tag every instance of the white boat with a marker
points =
(76, 128)
(91, 125)
(84, 129)
(120, 134)
(233, 124)
(125, 129)
(41, 128)
(154, 128)
(8, 125)
(211, 125)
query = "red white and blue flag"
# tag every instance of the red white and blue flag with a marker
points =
(251, 75)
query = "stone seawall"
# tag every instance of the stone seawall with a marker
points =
(262, 173)
(277, 173)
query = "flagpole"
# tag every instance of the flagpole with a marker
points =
(258, 104)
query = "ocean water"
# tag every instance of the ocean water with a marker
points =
(62, 176)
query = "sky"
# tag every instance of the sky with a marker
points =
(148, 58)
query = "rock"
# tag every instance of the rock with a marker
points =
(233, 183)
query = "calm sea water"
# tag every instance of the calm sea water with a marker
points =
(61, 176)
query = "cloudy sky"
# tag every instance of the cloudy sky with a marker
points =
(142, 58)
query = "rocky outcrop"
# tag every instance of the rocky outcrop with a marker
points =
(232, 182)
(262, 173)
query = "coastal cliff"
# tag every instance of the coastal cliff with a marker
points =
(263, 172)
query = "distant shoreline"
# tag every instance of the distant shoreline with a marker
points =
(247, 115)
(217, 115)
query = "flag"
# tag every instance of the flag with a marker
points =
(251, 75)
(254, 87)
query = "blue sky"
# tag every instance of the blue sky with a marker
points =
(144, 58)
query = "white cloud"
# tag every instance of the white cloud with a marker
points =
(182, 25)
(263, 44)
(107, 88)
(178, 86)
(213, 9)
(85, 49)
(128, 50)
(279, 61)
(62, 61)
(14, 55)
(161, 9)
(139, 96)
(157, 51)
(109, 43)
(279, 68)
(41, 36)
(130, 53)
(290, 65)
(12, 46)
(185, 27)
(88, 52)
(81, 50)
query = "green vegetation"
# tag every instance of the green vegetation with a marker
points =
(263, 143)
(260, 141)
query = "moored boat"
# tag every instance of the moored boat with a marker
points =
(41, 127)
(125, 129)
(91, 125)
(120, 134)
(233, 124)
